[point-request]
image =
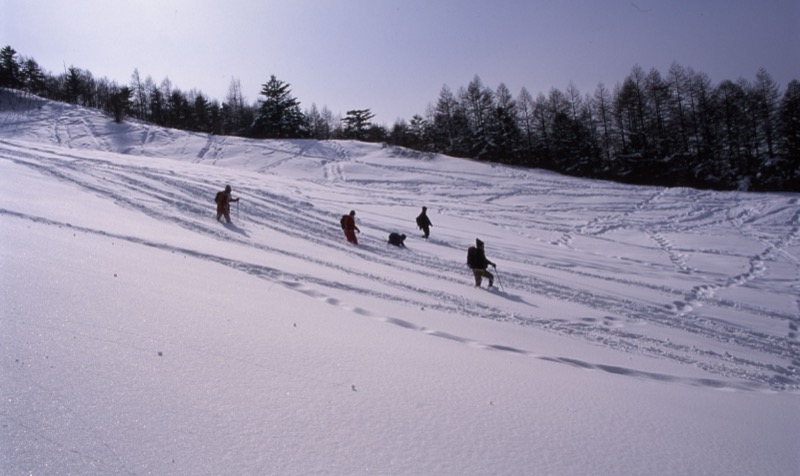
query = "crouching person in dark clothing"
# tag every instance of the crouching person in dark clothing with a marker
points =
(397, 239)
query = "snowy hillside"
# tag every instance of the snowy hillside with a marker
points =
(635, 330)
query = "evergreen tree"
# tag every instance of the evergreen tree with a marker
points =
(74, 85)
(561, 130)
(477, 102)
(449, 124)
(356, 123)
(119, 103)
(177, 109)
(201, 114)
(33, 78)
(399, 135)
(279, 114)
(157, 106)
(215, 117)
(419, 133)
(376, 133)
(10, 76)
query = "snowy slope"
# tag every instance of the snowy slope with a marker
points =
(637, 330)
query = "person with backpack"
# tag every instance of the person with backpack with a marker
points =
(224, 199)
(397, 239)
(424, 223)
(348, 223)
(477, 262)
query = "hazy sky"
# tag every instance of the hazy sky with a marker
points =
(394, 56)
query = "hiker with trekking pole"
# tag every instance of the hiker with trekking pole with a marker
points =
(224, 199)
(477, 262)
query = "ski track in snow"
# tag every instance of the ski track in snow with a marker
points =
(653, 214)
(300, 283)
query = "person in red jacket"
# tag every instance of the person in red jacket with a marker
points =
(348, 223)
(224, 199)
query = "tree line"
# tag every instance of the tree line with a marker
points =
(276, 114)
(673, 130)
(677, 129)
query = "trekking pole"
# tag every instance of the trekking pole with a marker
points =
(237, 209)
(497, 275)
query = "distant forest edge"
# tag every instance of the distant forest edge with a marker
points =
(673, 130)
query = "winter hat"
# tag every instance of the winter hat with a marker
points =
(478, 243)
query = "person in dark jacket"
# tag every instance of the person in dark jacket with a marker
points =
(477, 262)
(224, 200)
(397, 239)
(424, 223)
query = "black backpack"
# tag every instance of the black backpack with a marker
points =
(220, 198)
(341, 221)
(472, 257)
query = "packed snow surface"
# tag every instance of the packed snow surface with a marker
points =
(632, 331)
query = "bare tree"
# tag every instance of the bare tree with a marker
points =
(236, 119)
(526, 122)
(602, 111)
(139, 94)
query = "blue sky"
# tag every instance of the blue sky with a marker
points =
(394, 56)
